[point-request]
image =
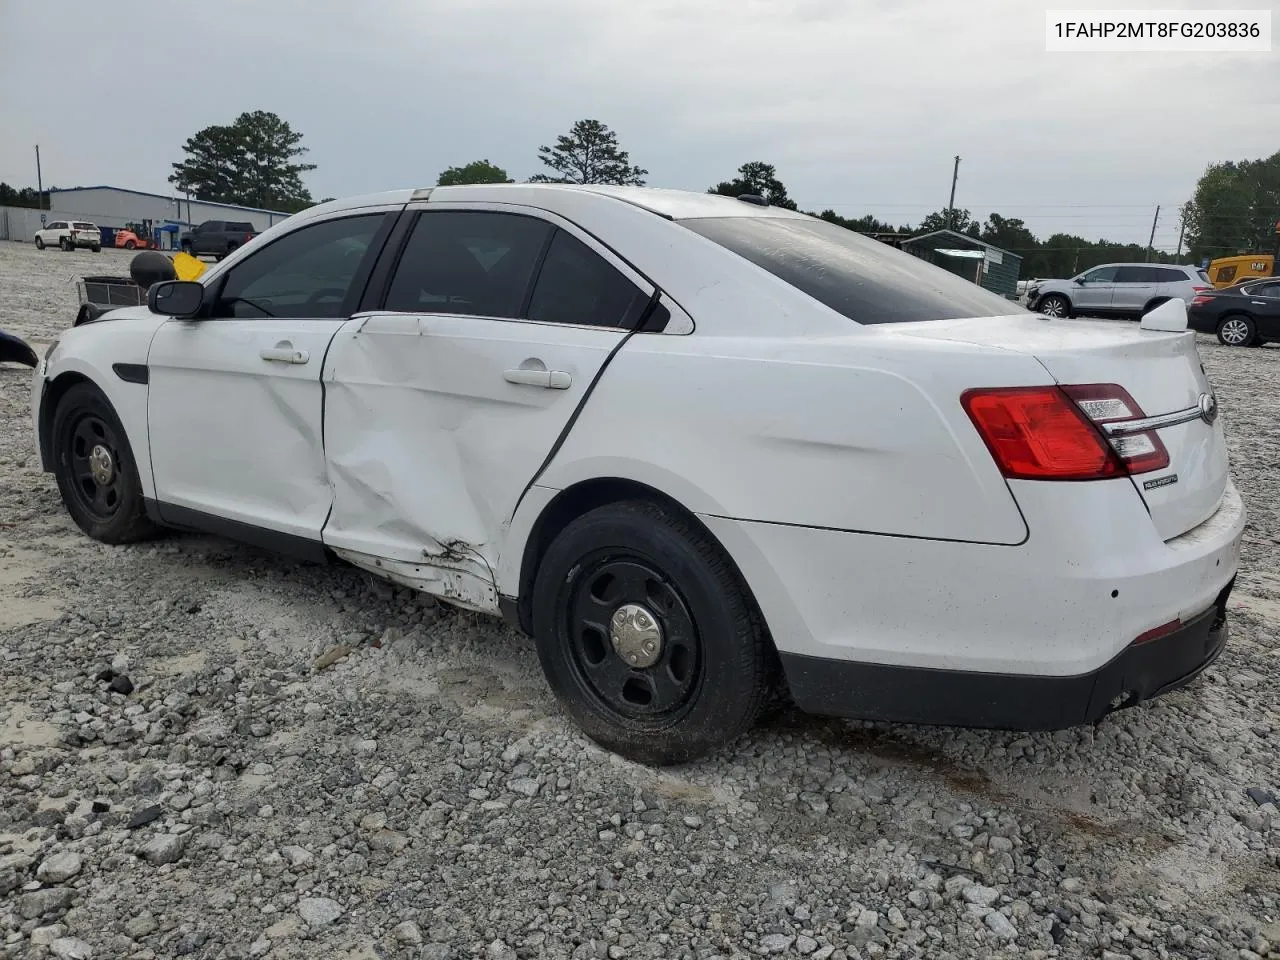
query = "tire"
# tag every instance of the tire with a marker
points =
(704, 690)
(1054, 305)
(186, 248)
(129, 245)
(1237, 330)
(64, 244)
(39, 244)
(96, 248)
(112, 511)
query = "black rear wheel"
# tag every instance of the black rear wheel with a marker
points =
(95, 469)
(648, 636)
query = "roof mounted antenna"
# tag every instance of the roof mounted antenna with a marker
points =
(755, 198)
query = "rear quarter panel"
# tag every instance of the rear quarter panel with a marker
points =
(860, 432)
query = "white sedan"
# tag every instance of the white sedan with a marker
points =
(703, 450)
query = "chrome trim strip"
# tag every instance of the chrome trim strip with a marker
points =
(1125, 428)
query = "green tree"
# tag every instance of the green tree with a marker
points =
(24, 197)
(477, 171)
(760, 179)
(1235, 208)
(865, 224)
(589, 153)
(252, 162)
(959, 220)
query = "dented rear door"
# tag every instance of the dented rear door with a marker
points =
(441, 411)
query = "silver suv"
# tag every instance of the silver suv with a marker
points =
(1117, 290)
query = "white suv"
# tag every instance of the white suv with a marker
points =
(69, 234)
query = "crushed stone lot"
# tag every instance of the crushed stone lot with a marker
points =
(423, 797)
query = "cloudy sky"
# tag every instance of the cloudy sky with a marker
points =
(860, 104)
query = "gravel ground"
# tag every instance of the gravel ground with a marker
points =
(423, 797)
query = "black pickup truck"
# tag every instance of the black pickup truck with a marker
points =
(216, 238)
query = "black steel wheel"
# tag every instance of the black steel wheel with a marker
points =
(648, 636)
(95, 469)
(39, 243)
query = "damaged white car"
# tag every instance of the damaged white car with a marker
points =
(701, 449)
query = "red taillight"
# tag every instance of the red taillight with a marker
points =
(1200, 301)
(1198, 289)
(248, 237)
(1053, 433)
(1155, 633)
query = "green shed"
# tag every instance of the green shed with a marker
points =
(971, 258)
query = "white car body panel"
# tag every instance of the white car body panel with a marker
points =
(235, 435)
(477, 439)
(986, 608)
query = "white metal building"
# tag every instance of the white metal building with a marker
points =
(116, 206)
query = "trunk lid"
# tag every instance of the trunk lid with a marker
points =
(1161, 371)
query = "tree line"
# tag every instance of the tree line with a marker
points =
(257, 160)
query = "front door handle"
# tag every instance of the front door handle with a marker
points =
(547, 379)
(283, 352)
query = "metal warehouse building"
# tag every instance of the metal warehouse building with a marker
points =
(116, 206)
(971, 258)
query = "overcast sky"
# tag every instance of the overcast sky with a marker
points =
(860, 104)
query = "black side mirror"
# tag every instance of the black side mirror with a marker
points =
(176, 298)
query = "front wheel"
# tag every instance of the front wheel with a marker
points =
(1055, 305)
(95, 469)
(1237, 331)
(648, 636)
(39, 244)
(129, 245)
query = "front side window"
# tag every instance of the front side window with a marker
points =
(469, 262)
(305, 274)
(1100, 275)
(860, 278)
(576, 285)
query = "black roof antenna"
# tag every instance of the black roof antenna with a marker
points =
(753, 198)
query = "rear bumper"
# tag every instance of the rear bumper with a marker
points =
(1008, 701)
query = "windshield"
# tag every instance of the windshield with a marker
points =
(861, 278)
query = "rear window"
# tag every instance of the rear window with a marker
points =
(84, 226)
(1203, 276)
(861, 278)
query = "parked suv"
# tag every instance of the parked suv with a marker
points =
(217, 238)
(69, 234)
(1117, 290)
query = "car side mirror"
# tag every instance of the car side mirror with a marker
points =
(1078, 281)
(176, 298)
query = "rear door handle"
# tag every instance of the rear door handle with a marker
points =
(283, 352)
(547, 379)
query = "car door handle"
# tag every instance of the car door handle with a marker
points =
(547, 379)
(284, 352)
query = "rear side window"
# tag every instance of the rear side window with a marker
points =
(474, 263)
(239, 228)
(863, 279)
(575, 285)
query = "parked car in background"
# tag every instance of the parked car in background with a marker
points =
(1117, 290)
(217, 238)
(69, 234)
(870, 482)
(1244, 315)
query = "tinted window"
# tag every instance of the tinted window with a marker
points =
(1169, 275)
(239, 227)
(576, 285)
(306, 273)
(57, 225)
(1271, 289)
(84, 226)
(861, 278)
(1101, 275)
(1226, 274)
(475, 263)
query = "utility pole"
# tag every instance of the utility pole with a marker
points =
(39, 181)
(1152, 240)
(951, 204)
(1182, 229)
